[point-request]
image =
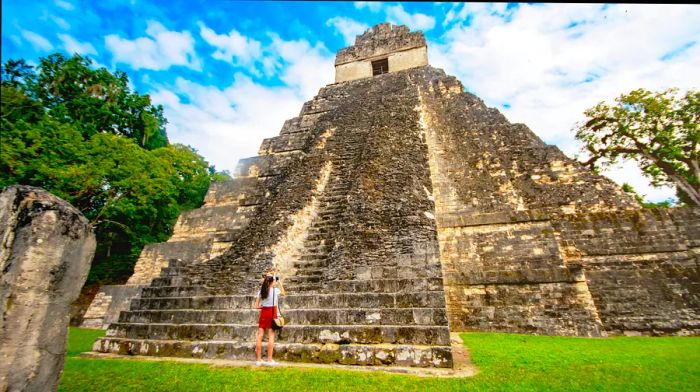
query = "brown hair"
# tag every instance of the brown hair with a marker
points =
(265, 289)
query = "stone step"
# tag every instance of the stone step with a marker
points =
(308, 277)
(333, 208)
(313, 258)
(385, 285)
(306, 287)
(332, 198)
(169, 281)
(334, 217)
(310, 243)
(337, 334)
(314, 252)
(370, 286)
(315, 235)
(175, 263)
(359, 316)
(316, 263)
(346, 354)
(307, 269)
(320, 225)
(170, 271)
(173, 291)
(317, 246)
(421, 299)
(339, 185)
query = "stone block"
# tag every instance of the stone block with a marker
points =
(47, 247)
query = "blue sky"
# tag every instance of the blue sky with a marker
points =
(229, 73)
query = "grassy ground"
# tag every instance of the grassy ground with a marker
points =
(506, 361)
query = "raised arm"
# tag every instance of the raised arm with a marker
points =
(282, 292)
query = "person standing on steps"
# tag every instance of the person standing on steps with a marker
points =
(267, 301)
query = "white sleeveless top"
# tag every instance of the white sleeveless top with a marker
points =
(272, 295)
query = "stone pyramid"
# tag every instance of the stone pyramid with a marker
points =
(398, 207)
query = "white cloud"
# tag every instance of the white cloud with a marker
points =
(628, 172)
(232, 47)
(227, 124)
(38, 42)
(160, 50)
(373, 6)
(71, 45)
(65, 5)
(397, 15)
(303, 67)
(348, 28)
(551, 62)
(60, 22)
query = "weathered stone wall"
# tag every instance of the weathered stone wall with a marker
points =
(205, 232)
(641, 267)
(45, 254)
(346, 215)
(378, 170)
(380, 40)
(533, 242)
(402, 48)
(398, 61)
(108, 303)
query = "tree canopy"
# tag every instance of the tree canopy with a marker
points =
(659, 130)
(82, 134)
(94, 100)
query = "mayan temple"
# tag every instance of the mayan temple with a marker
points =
(399, 208)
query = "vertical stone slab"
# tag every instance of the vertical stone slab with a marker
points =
(45, 254)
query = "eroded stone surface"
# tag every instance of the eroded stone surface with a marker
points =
(400, 207)
(401, 48)
(45, 254)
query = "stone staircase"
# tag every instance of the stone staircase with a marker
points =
(376, 322)
(312, 266)
(336, 315)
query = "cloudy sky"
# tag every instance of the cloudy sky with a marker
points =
(230, 73)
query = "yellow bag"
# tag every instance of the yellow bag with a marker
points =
(279, 322)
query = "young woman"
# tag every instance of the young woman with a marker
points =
(267, 301)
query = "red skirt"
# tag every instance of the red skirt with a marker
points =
(267, 314)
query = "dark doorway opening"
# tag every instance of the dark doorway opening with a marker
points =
(380, 67)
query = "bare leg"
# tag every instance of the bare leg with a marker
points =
(258, 344)
(270, 343)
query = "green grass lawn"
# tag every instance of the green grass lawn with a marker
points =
(505, 361)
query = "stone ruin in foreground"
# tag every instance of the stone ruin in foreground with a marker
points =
(399, 208)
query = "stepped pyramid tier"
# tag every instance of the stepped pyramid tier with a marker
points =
(198, 235)
(398, 207)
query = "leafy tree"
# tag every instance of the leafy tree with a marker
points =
(659, 130)
(16, 72)
(627, 188)
(132, 186)
(94, 100)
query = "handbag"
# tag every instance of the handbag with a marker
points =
(279, 322)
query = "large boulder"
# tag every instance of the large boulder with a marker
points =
(45, 254)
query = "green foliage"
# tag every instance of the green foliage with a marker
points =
(94, 100)
(627, 188)
(82, 135)
(659, 130)
(506, 362)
